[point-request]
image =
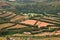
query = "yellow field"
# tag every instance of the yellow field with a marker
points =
(24, 38)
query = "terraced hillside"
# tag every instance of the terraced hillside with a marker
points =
(18, 21)
(35, 25)
(10, 17)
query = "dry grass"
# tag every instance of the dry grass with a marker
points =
(18, 17)
(5, 25)
(11, 15)
(17, 26)
(6, 14)
(29, 38)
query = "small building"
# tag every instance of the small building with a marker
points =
(11, 0)
(0, 13)
(27, 33)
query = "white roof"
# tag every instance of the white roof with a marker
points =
(11, 0)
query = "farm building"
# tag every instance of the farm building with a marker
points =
(11, 0)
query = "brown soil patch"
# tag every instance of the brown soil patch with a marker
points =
(32, 22)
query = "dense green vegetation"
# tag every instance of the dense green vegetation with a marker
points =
(43, 7)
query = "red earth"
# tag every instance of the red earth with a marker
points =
(32, 22)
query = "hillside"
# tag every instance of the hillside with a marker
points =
(30, 18)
